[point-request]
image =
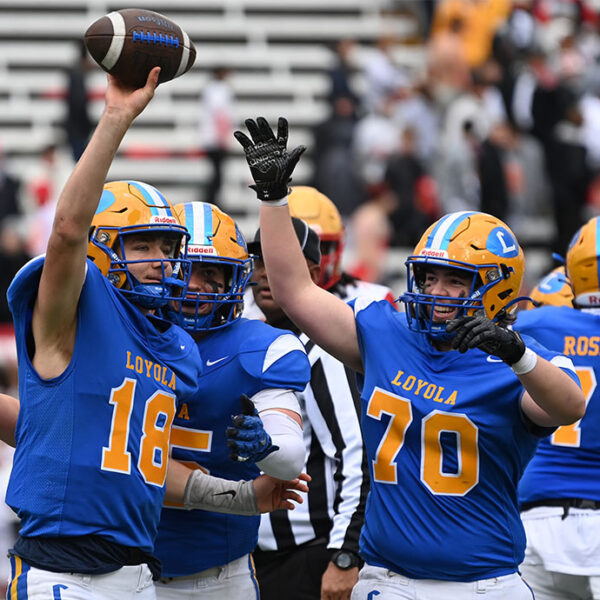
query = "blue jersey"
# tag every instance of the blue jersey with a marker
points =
(447, 443)
(244, 358)
(92, 443)
(567, 464)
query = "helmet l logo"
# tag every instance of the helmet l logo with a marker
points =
(502, 243)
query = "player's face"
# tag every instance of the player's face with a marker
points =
(262, 293)
(443, 281)
(209, 278)
(152, 248)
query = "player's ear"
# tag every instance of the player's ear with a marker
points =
(315, 271)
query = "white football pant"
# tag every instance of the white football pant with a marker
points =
(128, 583)
(375, 583)
(233, 581)
(562, 559)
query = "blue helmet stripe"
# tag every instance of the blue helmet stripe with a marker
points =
(106, 201)
(189, 222)
(208, 224)
(198, 220)
(154, 199)
(442, 233)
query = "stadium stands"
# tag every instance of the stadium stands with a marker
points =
(278, 53)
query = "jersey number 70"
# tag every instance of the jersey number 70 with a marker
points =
(400, 410)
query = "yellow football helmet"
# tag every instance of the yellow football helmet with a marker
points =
(583, 266)
(214, 238)
(128, 207)
(553, 290)
(316, 209)
(474, 242)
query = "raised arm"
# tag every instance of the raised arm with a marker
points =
(326, 319)
(55, 311)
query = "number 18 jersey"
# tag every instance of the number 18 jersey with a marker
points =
(92, 443)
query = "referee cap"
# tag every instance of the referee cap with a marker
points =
(307, 236)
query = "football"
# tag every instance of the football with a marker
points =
(129, 43)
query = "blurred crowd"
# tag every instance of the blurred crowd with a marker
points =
(503, 116)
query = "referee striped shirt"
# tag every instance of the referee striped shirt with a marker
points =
(333, 509)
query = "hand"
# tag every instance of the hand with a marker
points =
(247, 439)
(337, 584)
(270, 164)
(127, 100)
(275, 494)
(483, 333)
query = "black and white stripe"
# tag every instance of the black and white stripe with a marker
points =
(335, 459)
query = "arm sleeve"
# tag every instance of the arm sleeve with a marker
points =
(275, 398)
(287, 462)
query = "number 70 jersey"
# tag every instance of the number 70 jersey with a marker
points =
(93, 443)
(447, 444)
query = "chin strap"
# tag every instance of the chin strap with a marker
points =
(154, 295)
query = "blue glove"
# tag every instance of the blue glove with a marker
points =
(247, 439)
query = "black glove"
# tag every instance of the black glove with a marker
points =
(270, 164)
(247, 439)
(483, 333)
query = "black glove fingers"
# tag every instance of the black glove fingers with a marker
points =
(465, 343)
(454, 324)
(483, 327)
(231, 432)
(294, 157)
(243, 139)
(253, 129)
(476, 332)
(282, 131)
(461, 328)
(271, 166)
(265, 131)
(248, 407)
(483, 337)
(239, 420)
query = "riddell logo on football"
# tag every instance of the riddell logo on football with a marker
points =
(164, 220)
(201, 250)
(434, 253)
